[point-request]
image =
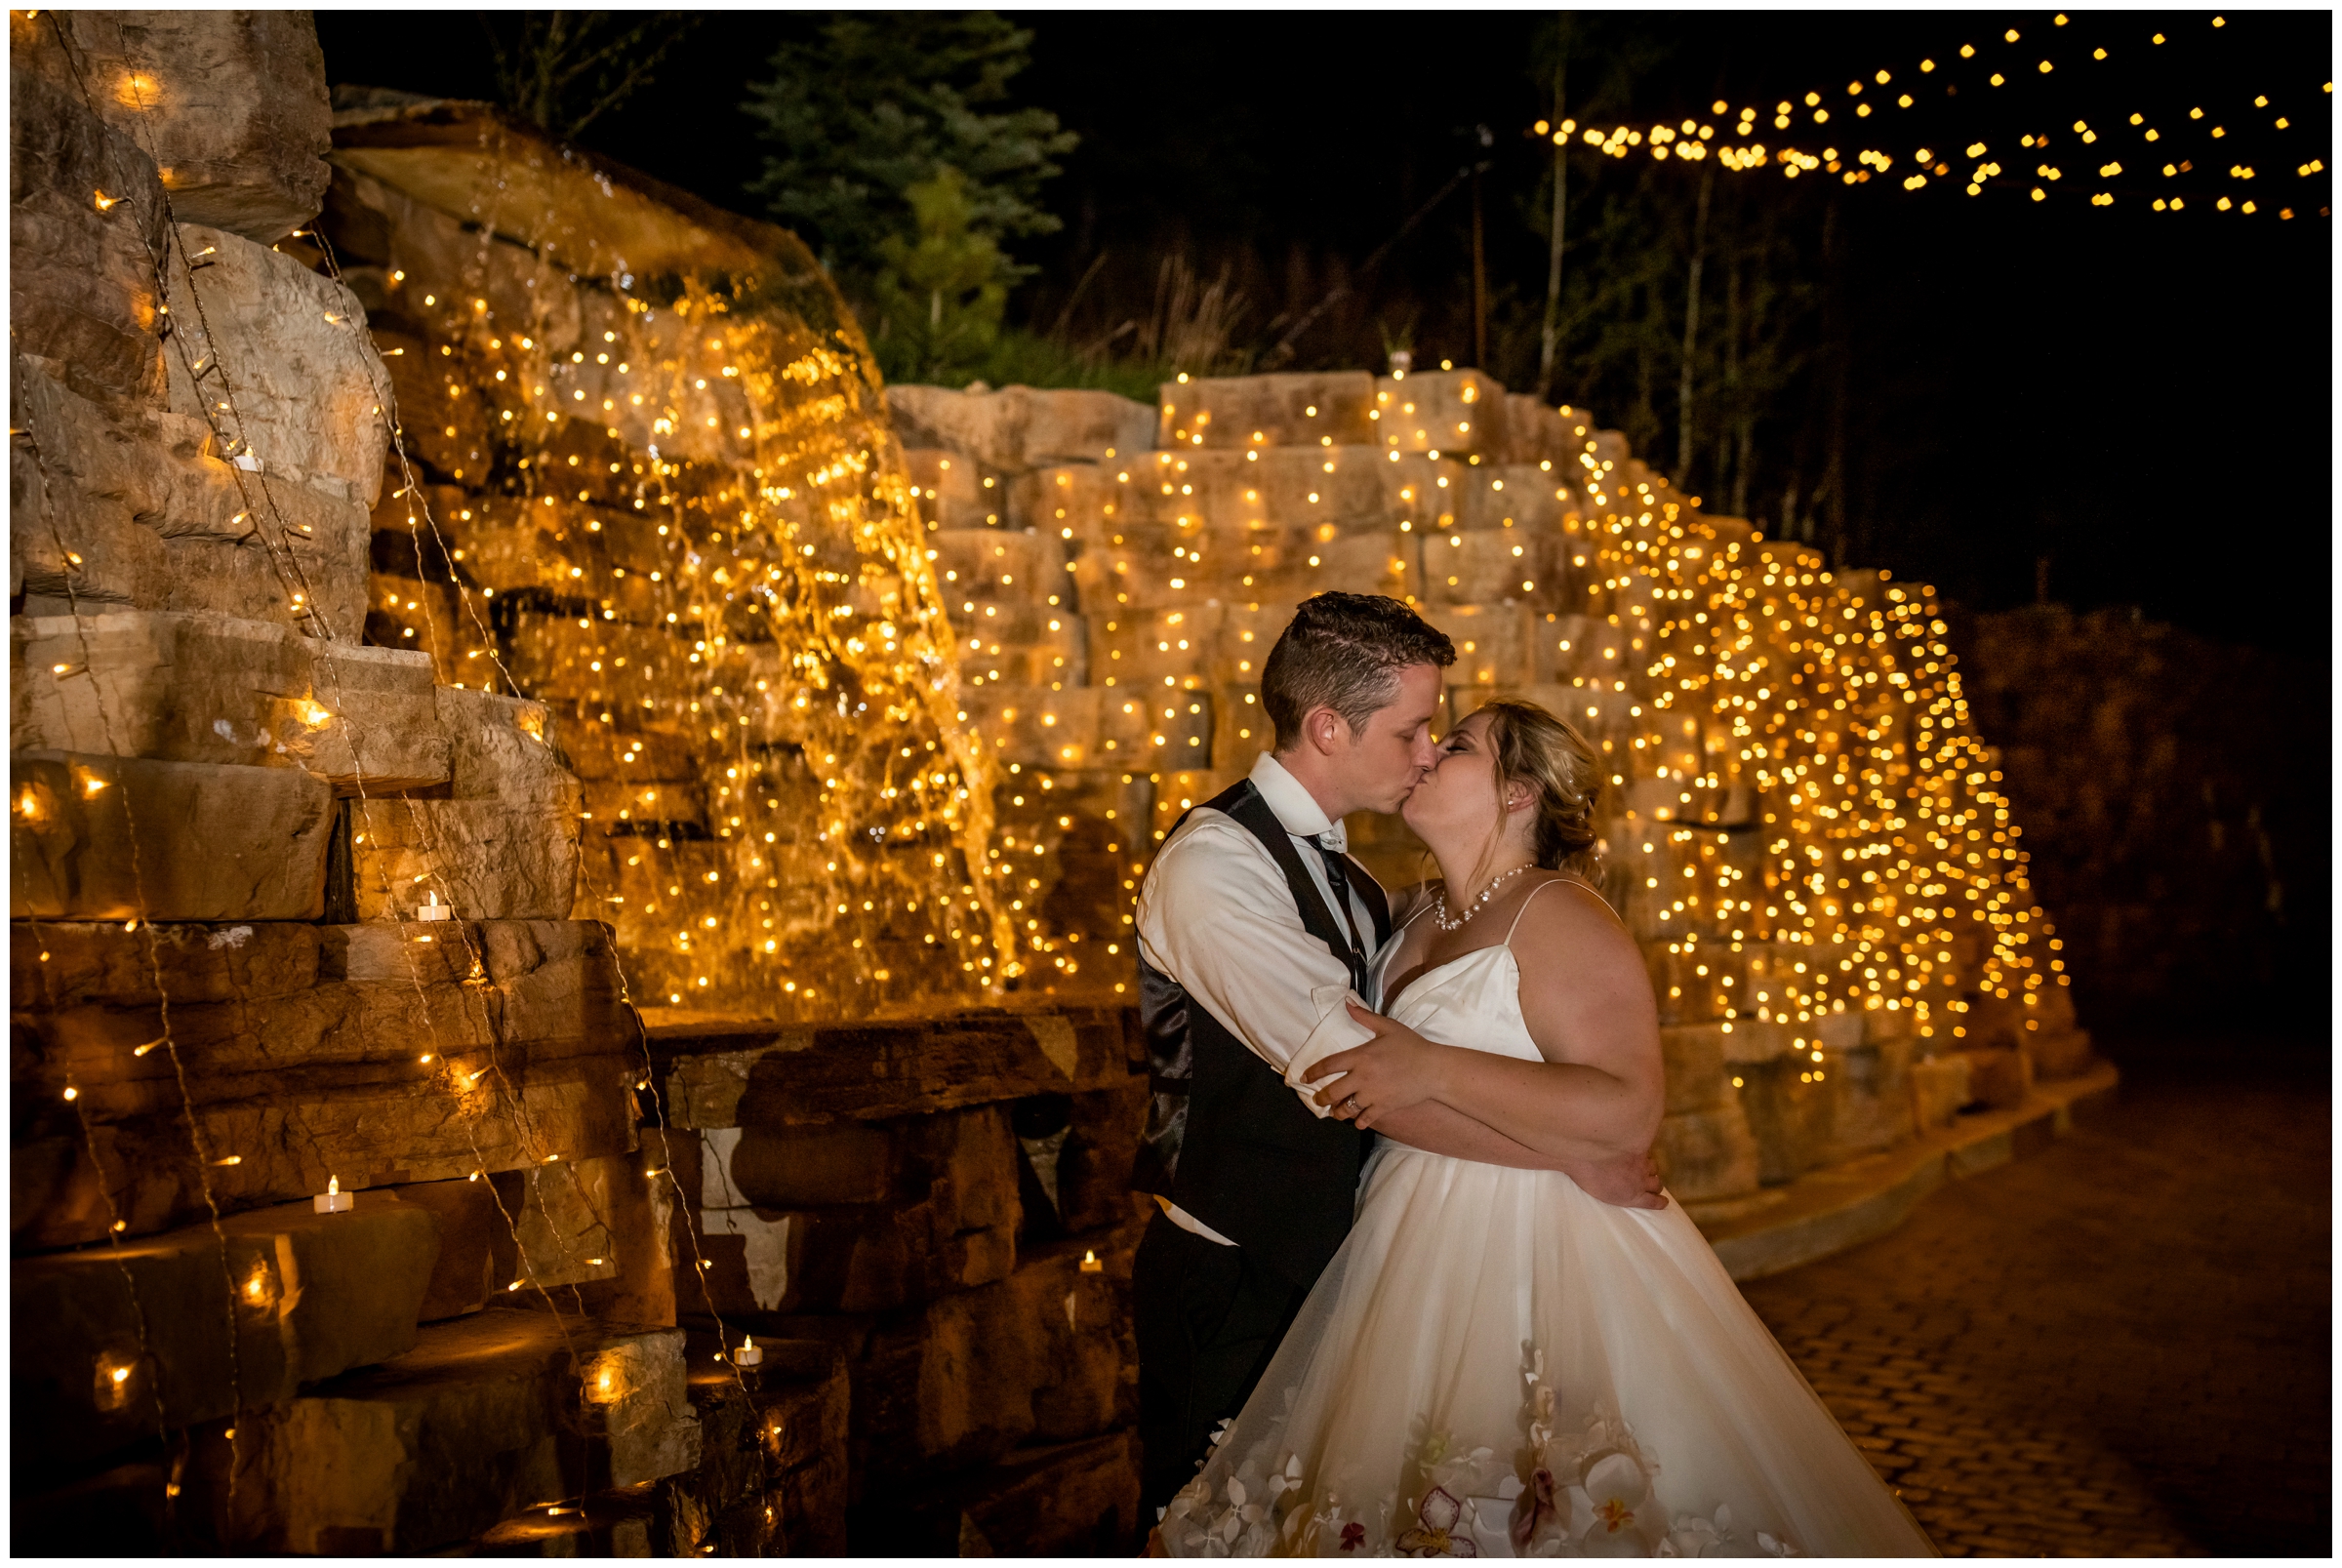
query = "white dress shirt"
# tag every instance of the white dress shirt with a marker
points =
(1217, 916)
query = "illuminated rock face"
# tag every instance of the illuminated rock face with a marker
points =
(455, 678)
(230, 105)
(333, 1222)
(647, 480)
(1801, 826)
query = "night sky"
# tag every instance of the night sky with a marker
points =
(2145, 398)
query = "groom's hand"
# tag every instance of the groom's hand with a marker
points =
(1625, 1182)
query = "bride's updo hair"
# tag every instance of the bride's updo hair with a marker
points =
(1547, 753)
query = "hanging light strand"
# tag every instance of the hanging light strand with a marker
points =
(1734, 144)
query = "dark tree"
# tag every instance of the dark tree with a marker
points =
(564, 69)
(873, 103)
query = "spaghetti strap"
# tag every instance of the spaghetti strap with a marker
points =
(1414, 914)
(1524, 909)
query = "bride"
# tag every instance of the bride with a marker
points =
(1496, 1364)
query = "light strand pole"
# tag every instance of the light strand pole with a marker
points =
(1549, 347)
(1480, 262)
(1691, 333)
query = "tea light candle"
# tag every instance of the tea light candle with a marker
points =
(436, 910)
(748, 1354)
(332, 1200)
(1090, 1264)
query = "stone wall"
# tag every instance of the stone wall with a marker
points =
(504, 735)
(945, 1204)
(290, 916)
(1804, 829)
(2177, 788)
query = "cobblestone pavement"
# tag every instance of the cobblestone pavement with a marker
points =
(2119, 1347)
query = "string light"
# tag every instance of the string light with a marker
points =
(713, 522)
(737, 544)
(1756, 689)
(1693, 140)
(332, 1200)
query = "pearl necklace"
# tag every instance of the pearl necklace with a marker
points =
(1439, 916)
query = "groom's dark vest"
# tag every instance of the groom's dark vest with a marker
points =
(1226, 1139)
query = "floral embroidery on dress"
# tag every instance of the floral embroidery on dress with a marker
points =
(1591, 1494)
(1435, 1533)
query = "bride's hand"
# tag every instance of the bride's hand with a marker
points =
(1396, 1069)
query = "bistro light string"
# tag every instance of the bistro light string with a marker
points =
(1694, 139)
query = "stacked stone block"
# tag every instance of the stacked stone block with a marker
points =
(1799, 1030)
(946, 1203)
(297, 903)
(2184, 857)
(333, 1231)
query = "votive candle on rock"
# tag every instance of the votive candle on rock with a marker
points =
(332, 1200)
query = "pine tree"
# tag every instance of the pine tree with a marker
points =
(874, 104)
(939, 298)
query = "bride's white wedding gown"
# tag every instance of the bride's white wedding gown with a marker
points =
(1497, 1364)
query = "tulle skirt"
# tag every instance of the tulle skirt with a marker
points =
(1496, 1364)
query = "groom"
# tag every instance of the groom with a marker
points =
(1254, 927)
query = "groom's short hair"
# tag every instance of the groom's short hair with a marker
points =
(1344, 650)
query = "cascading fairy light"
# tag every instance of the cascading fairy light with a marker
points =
(118, 1383)
(474, 1104)
(1889, 877)
(701, 544)
(254, 1290)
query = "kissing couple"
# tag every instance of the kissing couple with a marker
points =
(1415, 1287)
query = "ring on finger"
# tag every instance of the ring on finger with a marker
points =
(1350, 1105)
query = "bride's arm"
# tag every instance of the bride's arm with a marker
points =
(1586, 996)
(1628, 1181)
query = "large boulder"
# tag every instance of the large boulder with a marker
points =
(231, 105)
(191, 688)
(300, 383)
(82, 289)
(135, 509)
(121, 838)
(1021, 427)
(194, 1324)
